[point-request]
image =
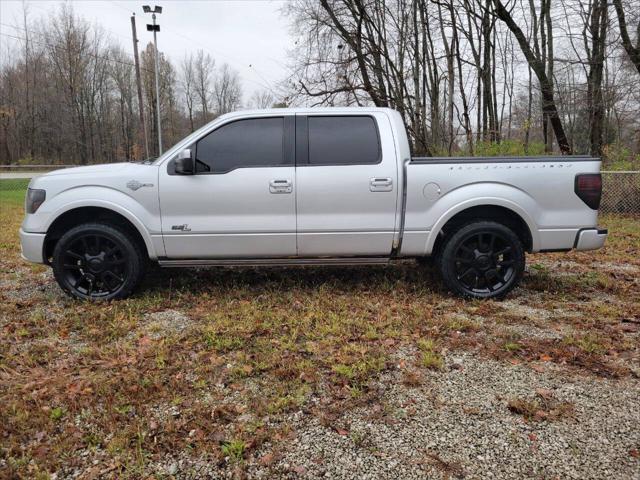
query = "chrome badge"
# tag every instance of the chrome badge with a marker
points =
(135, 185)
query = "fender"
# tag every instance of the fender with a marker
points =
(489, 201)
(422, 216)
(93, 196)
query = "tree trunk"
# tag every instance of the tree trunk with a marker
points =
(632, 50)
(598, 27)
(549, 108)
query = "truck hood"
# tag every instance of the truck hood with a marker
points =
(119, 176)
(101, 169)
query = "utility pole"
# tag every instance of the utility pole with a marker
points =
(143, 124)
(155, 29)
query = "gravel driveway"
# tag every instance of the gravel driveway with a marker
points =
(457, 424)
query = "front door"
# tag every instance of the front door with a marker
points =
(347, 184)
(241, 201)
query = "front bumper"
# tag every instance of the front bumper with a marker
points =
(32, 245)
(591, 238)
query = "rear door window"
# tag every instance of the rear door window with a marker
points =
(343, 140)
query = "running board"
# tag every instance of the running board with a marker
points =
(274, 262)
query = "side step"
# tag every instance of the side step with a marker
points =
(275, 262)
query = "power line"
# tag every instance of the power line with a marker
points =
(102, 57)
(107, 29)
(267, 84)
(264, 84)
(120, 6)
(230, 60)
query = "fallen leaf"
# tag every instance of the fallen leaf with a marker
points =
(544, 393)
(545, 358)
(541, 414)
(267, 459)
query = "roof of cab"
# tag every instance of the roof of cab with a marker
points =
(303, 110)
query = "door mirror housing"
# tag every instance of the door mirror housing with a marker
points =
(184, 163)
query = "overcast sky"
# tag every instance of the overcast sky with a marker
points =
(250, 35)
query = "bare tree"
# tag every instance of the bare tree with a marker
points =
(465, 75)
(167, 81)
(203, 75)
(68, 94)
(537, 63)
(188, 86)
(632, 50)
(122, 76)
(227, 91)
(595, 38)
(262, 99)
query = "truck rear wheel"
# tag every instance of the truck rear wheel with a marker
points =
(96, 261)
(482, 259)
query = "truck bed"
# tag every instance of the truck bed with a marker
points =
(505, 159)
(539, 189)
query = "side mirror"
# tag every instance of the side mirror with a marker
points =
(184, 163)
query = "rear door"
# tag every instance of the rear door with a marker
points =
(241, 201)
(347, 184)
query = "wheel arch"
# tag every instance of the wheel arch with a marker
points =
(498, 210)
(94, 213)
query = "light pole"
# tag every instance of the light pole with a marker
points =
(155, 28)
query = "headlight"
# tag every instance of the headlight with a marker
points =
(35, 198)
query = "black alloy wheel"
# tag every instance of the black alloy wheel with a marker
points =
(482, 260)
(97, 262)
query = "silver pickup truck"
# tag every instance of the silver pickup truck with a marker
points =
(308, 187)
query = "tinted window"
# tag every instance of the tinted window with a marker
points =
(343, 141)
(256, 142)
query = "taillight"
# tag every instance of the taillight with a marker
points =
(588, 186)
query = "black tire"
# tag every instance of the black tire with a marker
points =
(96, 261)
(482, 259)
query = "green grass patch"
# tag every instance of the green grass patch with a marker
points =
(233, 449)
(430, 357)
(12, 190)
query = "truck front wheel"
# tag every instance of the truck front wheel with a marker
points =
(482, 259)
(96, 261)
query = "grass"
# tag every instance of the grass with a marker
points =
(234, 450)
(430, 357)
(111, 382)
(12, 191)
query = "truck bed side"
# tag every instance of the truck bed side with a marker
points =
(540, 190)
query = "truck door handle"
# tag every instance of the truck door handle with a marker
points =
(381, 184)
(280, 185)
